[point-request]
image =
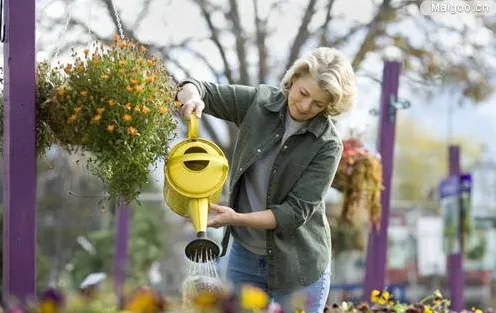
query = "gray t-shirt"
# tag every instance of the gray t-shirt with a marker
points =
(253, 191)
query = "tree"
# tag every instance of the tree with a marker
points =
(421, 160)
(239, 42)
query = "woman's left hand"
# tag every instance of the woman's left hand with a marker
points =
(222, 216)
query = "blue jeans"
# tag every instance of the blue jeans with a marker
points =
(244, 267)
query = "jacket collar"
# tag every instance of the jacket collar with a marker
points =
(317, 125)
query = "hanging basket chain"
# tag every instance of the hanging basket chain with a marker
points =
(118, 20)
(90, 12)
(64, 31)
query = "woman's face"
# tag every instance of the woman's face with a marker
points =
(306, 100)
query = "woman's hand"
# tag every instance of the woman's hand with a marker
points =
(191, 100)
(221, 216)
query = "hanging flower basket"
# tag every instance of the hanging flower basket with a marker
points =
(359, 178)
(113, 104)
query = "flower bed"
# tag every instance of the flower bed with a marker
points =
(249, 299)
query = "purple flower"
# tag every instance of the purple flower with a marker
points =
(52, 294)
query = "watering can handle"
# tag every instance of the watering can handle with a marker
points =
(196, 157)
(192, 127)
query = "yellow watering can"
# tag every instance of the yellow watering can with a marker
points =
(195, 173)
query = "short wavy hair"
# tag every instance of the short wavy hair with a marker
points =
(333, 73)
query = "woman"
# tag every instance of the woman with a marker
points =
(284, 161)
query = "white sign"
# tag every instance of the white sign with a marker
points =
(431, 258)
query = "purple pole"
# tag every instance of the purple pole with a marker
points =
(377, 246)
(455, 261)
(19, 152)
(121, 247)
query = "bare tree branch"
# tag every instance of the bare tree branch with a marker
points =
(233, 16)
(204, 59)
(376, 29)
(261, 35)
(336, 42)
(215, 38)
(302, 34)
(145, 9)
(114, 15)
(325, 25)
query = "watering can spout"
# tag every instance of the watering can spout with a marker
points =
(201, 249)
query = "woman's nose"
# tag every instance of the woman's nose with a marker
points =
(306, 104)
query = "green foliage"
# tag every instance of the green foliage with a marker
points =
(146, 245)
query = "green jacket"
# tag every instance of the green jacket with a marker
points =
(299, 248)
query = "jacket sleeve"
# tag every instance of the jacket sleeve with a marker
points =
(227, 102)
(309, 192)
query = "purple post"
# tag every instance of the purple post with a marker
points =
(121, 247)
(455, 261)
(19, 152)
(377, 246)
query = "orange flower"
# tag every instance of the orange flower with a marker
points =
(151, 78)
(110, 128)
(163, 110)
(134, 82)
(104, 76)
(96, 118)
(128, 106)
(60, 91)
(137, 108)
(142, 49)
(117, 38)
(68, 68)
(77, 109)
(72, 118)
(139, 89)
(84, 92)
(122, 62)
(127, 117)
(100, 110)
(86, 51)
(132, 131)
(129, 89)
(146, 109)
(111, 102)
(122, 44)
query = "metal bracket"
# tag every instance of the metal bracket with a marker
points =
(394, 105)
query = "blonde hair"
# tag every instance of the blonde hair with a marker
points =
(333, 73)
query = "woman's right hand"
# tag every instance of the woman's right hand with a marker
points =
(191, 101)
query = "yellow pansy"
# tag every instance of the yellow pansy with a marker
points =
(253, 298)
